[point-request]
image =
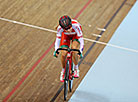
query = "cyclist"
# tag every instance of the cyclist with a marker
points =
(69, 30)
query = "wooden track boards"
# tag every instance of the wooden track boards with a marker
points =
(21, 47)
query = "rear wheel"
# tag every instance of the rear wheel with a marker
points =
(66, 80)
(70, 85)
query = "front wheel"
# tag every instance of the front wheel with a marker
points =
(65, 89)
(72, 78)
(66, 80)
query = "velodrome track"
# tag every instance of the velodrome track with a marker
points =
(28, 70)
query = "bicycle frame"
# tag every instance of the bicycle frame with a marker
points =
(69, 59)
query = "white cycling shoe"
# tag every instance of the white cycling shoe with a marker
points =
(76, 73)
(62, 76)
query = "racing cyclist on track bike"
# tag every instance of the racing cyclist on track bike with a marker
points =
(67, 31)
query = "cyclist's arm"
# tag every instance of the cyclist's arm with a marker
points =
(57, 43)
(58, 37)
(81, 44)
(80, 37)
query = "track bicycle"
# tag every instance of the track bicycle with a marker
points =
(69, 70)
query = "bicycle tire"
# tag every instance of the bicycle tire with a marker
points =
(71, 81)
(66, 80)
(70, 85)
(65, 89)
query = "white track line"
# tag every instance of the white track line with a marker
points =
(103, 43)
(29, 25)
(101, 29)
(41, 28)
(96, 35)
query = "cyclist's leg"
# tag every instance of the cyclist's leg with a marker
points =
(63, 55)
(65, 43)
(75, 45)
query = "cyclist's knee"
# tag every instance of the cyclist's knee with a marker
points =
(63, 54)
(75, 45)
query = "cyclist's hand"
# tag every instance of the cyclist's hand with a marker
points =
(55, 54)
(80, 56)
